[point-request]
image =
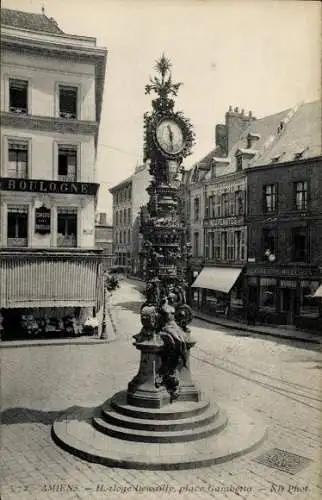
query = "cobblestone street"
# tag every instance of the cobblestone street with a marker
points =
(272, 378)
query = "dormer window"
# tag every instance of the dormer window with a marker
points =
(18, 96)
(67, 102)
(239, 162)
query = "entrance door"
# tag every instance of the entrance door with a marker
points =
(288, 304)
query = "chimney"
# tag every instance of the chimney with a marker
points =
(103, 219)
(236, 123)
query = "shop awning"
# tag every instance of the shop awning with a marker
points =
(221, 279)
(318, 292)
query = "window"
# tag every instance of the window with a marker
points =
(237, 237)
(18, 159)
(116, 218)
(129, 216)
(224, 245)
(225, 204)
(309, 306)
(230, 246)
(116, 237)
(124, 237)
(196, 209)
(121, 237)
(67, 101)
(129, 236)
(267, 296)
(207, 206)
(243, 245)
(239, 203)
(217, 206)
(239, 162)
(269, 242)
(270, 198)
(196, 243)
(18, 96)
(300, 244)
(217, 245)
(67, 227)
(124, 216)
(301, 195)
(67, 163)
(121, 213)
(17, 226)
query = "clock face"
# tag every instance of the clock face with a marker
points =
(169, 136)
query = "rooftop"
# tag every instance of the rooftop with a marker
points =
(29, 21)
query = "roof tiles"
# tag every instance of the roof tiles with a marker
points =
(29, 21)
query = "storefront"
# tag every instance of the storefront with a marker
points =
(219, 291)
(48, 292)
(285, 295)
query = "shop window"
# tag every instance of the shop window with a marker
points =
(267, 296)
(18, 159)
(196, 245)
(270, 198)
(301, 195)
(269, 237)
(300, 244)
(67, 227)
(67, 102)
(17, 223)
(18, 96)
(67, 163)
(196, 209)
(309, 306)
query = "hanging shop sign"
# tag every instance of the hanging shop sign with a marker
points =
(42, 220)
(42, 186)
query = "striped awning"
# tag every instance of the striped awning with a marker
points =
(221, 279)
(318, 292)
(48, 282)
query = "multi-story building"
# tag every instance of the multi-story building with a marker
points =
(256, 237)
(122, 223)
(51, 97)
(129, 196)
(104, 239)
(285, 221)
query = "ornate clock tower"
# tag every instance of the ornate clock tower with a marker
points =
(162, 421)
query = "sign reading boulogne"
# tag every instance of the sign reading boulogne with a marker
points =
(42, 220)
(42, 186)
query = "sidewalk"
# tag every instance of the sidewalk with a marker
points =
(272, 331)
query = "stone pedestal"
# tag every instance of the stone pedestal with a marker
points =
(146, 389)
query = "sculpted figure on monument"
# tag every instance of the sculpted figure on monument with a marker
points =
(148, 320)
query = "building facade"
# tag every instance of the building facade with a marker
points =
(51, 97)
(104, 240)
(285, 224)
(260, 210)
(129, 196)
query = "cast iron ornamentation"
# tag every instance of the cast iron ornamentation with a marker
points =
(169, 138)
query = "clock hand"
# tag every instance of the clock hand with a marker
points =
(170, 135)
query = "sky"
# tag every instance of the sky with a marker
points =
(259, 55)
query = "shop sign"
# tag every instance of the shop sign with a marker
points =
(225, 221)
(42, 220)
(43, 186)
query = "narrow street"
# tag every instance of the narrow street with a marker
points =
(275, 379)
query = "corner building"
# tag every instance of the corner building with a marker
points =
(51, 96)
